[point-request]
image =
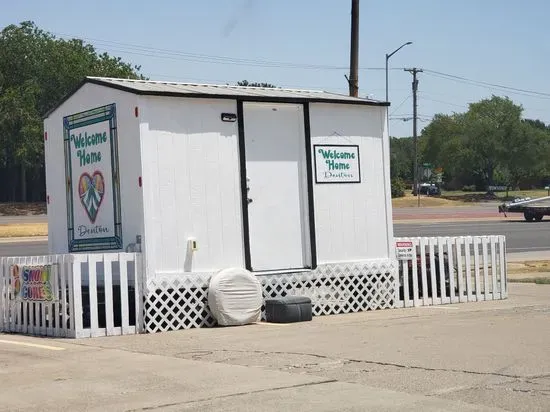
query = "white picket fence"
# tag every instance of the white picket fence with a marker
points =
(90, 295)
(453, 270)
(77, 295)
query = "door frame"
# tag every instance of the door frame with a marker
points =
(309, 182)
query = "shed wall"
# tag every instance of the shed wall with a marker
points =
(191, 183)
(352, 220)
(89, 97)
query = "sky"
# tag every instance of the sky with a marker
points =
(304, 44)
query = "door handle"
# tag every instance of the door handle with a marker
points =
(248, 200)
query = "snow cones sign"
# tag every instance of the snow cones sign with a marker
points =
(93, 192)
(32, 282)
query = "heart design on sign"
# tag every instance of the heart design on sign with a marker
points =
(91, 190)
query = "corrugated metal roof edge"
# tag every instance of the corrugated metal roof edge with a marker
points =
(221, 86)
(107, 82)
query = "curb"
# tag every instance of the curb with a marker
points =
(447, 220)
(27, 239)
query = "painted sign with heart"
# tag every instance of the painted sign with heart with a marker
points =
(93, 193)
(91, 190)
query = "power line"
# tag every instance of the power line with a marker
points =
(406, 119)
(155, 52)
(135, 49)
(493, 86)
(422, 96)
(401, 104)
(411, 114)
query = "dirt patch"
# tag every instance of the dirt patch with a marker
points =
(425, 201)
(538, 280)
(480, 197)
(24, 230)
(533, 266)
(472, 197)
(22, 209)
(536, 271)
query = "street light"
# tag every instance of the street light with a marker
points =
(388, 57)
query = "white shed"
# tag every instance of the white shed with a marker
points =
(289, 184)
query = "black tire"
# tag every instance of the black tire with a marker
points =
(529, 216)
(538, 218)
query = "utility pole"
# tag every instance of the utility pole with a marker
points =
(414, 72)
(354, 52)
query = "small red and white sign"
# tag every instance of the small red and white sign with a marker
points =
(404, 250)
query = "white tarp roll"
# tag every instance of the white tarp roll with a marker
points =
(235, 297)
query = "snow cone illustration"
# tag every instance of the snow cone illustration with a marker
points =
(16, 279)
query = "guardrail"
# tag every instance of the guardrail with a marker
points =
(453, 270)
(72, 295)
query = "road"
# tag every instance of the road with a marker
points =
(481, 210)
(17, 220)
(521, 236)
(26, 248)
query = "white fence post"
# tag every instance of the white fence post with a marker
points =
(109, 304)
(442, 276)
(480, 293)
(459, 275)
(485, 247)
(422, 245)
(495, 290)
(503, 268)
(468, 262)
(139, 292)
(433, 271)
(406, 285)
(76, 289)
(3, 294)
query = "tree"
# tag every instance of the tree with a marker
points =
(36, 71)
(537, 124)
(255, 84)
(402, 158)
(488, 144)
(491, 128)
(443, 144)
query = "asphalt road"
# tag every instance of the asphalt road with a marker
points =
(27, 248)
(16, 220)
(521, 236)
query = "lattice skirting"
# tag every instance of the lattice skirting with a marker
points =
(181, 302)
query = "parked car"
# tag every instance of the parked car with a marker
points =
(428, 190)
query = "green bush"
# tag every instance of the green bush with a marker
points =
(397, 188)
(469, 188)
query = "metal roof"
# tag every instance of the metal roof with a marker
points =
(267, 94)
(225, 91)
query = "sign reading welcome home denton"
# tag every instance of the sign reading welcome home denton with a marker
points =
(337, 164)
(93, 193)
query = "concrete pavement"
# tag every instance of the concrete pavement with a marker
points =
(478, 356)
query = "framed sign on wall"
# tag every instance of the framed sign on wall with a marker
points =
(93, 184)
(337, 164)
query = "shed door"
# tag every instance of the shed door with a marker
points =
(277, 186)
